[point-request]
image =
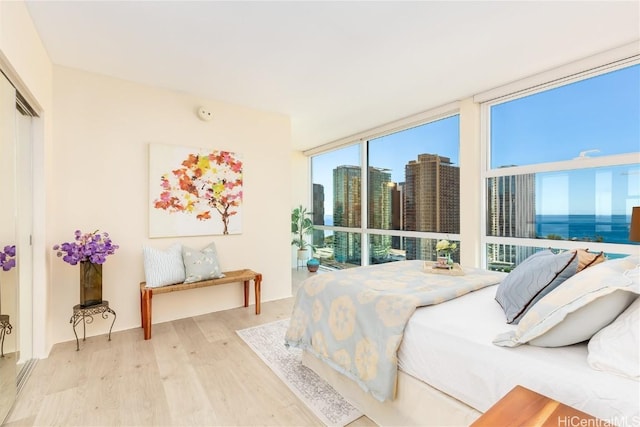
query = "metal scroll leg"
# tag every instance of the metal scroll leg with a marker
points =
(84, 328)
(74, 322)
(3, 332)
(113, 322)
(5, 329)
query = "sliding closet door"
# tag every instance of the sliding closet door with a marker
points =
(24, 228)
(8, 237)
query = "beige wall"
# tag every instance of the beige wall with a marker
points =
(470, 172)
(26, 63)
(91, 172)
(102, 131)
(27, 58)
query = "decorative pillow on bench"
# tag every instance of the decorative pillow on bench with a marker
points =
(201, 265)
(162, 268)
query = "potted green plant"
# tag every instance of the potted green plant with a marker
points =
(301, 226)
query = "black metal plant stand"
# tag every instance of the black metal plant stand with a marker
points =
(85, 315)
(5, 329)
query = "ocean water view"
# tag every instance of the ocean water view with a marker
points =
(605, 228)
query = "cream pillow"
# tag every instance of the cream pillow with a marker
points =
(588, 259)
(616, 348)
(579, 307)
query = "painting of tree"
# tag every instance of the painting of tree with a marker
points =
(204, 188)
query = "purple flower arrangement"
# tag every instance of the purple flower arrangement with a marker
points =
(93, 247)
(7, 257)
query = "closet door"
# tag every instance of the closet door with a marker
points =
(8, 236)
(24, 229)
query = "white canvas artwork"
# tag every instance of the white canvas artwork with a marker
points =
(194, 191)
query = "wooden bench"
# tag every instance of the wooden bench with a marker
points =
(244, 276)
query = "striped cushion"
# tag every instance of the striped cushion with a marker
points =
(162, 268)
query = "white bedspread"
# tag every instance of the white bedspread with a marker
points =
(449, 346)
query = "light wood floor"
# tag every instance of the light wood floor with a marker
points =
(193, 372)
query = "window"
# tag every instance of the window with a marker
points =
(593, 117)
(336, 203)
(563, 167)
(409, 190)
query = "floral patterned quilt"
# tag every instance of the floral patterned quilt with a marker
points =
(354, 319)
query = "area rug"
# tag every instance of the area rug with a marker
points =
(268, 342)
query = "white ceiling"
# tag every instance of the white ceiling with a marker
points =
(336, 68)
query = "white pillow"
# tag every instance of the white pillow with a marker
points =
(616, 348)
(162, 268)
(579, 307)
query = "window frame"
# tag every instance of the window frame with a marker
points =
(362, 140)
(567, 165)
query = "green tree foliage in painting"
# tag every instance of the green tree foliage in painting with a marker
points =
(204, 183)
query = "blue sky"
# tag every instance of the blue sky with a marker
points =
(392, 152)
(601, 113)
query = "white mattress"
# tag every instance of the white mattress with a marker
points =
(449, 347)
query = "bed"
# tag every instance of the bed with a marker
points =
(457, 356)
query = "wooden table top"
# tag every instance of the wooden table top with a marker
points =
(524, 407)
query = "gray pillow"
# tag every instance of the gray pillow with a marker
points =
(532, 279)
(201, 265)
(580, 307)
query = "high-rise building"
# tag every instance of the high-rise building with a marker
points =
(432, 201)
(318, 214)
(397, 216)
(347, 213)
(380, 214)
(512, 212)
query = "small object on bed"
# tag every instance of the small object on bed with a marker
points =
(452, 270)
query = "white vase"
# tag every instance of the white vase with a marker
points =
(303, 254)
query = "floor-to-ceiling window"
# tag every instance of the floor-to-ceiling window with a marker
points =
(559, 161)
(563, 166)
(389, 197)
(337, 209)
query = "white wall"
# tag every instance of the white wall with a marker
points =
(102, 130)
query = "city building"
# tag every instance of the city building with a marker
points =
(380, 213)
(432, 199)
(318, 214)
(347, 213)
(511, 213)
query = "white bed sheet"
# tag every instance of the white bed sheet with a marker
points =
(449, 346)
